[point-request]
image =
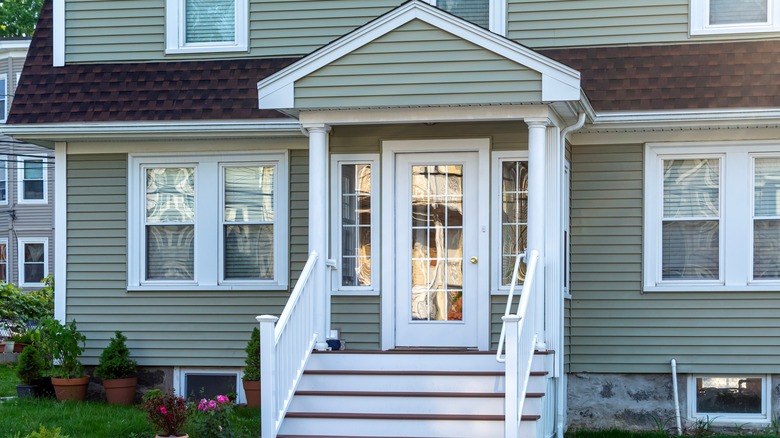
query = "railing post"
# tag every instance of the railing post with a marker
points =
(512, 381)
(268, 410)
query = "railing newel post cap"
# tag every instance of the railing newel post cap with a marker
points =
(266, 318)
(511, 318)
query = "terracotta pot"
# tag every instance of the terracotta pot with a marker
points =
(71, 389)
(252, 392)
(120, 391)
(19, 347)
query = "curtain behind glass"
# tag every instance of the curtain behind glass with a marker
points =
(475, 11)
(738, 11)
(170, 223)
(209, 21)
(248, 220)
(691, 225)
(766, 219)
(34, 260)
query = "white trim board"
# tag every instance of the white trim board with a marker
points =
(559, 82)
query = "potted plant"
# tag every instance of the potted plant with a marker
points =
(66, 344)
(118, 371)
(167, 412)
(28, 369)
(22, 340)
(251, 378)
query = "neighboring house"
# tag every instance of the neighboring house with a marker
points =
(398, 157)
(26, 188)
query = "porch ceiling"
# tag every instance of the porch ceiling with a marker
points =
(418, 56)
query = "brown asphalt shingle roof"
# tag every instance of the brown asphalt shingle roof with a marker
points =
(629, 78)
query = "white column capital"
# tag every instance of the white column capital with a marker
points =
(317, 128)
(537, 122)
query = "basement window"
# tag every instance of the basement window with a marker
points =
(195, 384)
(728, 399)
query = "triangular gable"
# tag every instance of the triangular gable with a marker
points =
(376, 55)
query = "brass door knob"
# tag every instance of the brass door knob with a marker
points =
(474, 260)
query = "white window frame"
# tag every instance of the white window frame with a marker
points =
(20, 179)
(336, 185)
(497, 15)
(736, 224)
(700, 13)
(731, 418)
(6, 95)
(180, 379)
(175, 28)
(209, 192)
(20, 244)
(4, 241)
(4, 159)
(499, 157)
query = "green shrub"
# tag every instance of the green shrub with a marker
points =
(252, 368)
(30, 365)
(65, 344)
(21, 310)
(115, 362)
(47, 433)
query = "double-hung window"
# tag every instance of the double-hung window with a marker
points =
(3, 179)
(712, 217)
(32, 180)
(356, 232)
(3, 260)
(710, 17)
(510, 216)
(210, 222)
(4, 97)
(206, 26)
(33, 261)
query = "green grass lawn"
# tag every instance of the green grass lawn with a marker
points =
(8, 380)
(615, 433)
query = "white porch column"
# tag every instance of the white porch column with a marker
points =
(318, 227)
(537, 144)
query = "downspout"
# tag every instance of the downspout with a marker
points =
(560, 398)
(676, 398)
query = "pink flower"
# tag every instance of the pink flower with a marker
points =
(212, 404)
(222, 399)
(163, 411)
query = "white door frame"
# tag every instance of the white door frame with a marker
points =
(389, 151)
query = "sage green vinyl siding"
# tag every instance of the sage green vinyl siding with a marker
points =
(615, 328)
(171, 328)
(566, 23)
(357, 318)
(417, 64)
(134, 30)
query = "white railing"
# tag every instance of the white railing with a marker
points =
(519, 336)
(285, 348)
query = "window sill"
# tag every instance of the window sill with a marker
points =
(726, 31)
(355, 293)
(775, 287)
(197, 288)
(32, 202)
(206, 49)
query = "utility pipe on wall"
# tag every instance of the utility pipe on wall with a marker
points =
(561, 387)
(676, 398)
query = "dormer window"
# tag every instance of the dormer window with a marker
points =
(490, 14)
(196, 26)
(710, 17)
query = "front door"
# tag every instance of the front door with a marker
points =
(436, 249)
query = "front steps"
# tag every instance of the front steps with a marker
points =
(408, 394)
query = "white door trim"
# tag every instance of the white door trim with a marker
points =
(389, 150)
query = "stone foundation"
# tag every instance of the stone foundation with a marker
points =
(148, 378)
(639, 402)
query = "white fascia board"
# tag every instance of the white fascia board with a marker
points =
(14, 45)
(271, 127)
(561, 74)
(683, 118)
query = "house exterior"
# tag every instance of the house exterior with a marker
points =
(385, 164)
(26, 189)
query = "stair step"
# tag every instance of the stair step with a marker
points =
(412, 360)
(401, 381)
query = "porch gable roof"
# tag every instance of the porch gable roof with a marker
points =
(418, 55)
